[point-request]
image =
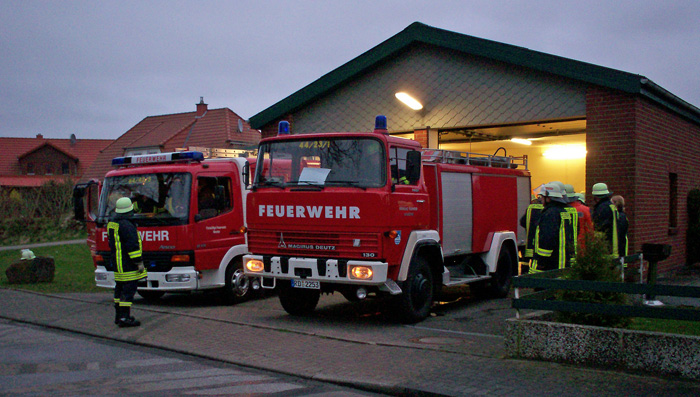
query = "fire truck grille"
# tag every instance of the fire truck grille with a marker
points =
(325, 245)
(156, 261)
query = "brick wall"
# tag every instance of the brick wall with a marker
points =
(422, 137)
(633, 146)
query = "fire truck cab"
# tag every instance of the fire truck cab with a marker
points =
(368, 213)
(190, 213)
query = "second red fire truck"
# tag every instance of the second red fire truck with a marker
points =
(363, 213)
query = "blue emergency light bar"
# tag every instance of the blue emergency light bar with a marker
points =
(157, 158)
(283, 128)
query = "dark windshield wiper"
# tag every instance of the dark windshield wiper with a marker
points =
(318, 185)
(351, 183)
(270, 184)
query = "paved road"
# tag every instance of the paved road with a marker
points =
(37, 361)
(459, 351)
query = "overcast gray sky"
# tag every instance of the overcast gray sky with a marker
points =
(96, 68)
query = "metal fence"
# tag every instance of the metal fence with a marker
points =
(547, 283)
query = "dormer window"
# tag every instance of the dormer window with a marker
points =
(30, 168)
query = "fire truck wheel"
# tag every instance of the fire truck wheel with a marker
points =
(238, 288)
(297, 301)
(151, 295)
(413, 305)
(503, 278)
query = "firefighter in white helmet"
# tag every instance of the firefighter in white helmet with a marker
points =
(550, 248)
(126, 248)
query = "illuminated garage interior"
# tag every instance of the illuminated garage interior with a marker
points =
(555, 150)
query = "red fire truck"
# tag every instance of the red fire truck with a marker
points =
(190, 213)
(363, 213)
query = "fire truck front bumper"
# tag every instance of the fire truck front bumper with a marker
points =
(177, 279)
(338, 271)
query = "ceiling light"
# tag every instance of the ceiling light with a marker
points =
(565, 152)
(409, 101)
(521, 141)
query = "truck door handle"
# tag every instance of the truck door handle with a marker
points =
(420, 201)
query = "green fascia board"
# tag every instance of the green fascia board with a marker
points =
(421, 33)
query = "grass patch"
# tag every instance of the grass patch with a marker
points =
(666, 325)
(74, 269)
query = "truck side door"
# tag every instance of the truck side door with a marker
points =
(218, 216)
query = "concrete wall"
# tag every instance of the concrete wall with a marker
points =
(651, 352)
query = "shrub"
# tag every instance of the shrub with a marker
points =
(593, 263)
(38, 214)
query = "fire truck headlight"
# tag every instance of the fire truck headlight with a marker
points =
(177, 278)
(361, 272)
(254, 265)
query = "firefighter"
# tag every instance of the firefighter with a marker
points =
(605, 216)
(529, 222)
(622, 225)
(126, 248)
(585, 222)
(550, 248)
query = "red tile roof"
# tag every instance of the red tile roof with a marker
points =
(217, 128)
(86, 150)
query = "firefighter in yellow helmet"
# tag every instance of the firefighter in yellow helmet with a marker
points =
(126, 248)
(605, 216)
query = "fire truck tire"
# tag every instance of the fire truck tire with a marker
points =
(238, 286)
(151, 295)
(413, 305)
(503, 278)
(297, 301)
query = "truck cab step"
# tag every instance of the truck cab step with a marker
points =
(466, 280)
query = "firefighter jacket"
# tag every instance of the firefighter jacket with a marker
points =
(529, 222)
(126, 247)
(605, 220)
(585, 222)
(551, 240)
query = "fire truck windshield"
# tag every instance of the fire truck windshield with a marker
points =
(159, 198)
(358, 162)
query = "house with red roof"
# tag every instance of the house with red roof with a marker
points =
(209, 128)
(31, 162)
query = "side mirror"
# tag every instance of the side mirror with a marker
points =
(246, 174)
(78, 203)
(413, 166)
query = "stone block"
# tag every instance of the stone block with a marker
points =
(37, 270)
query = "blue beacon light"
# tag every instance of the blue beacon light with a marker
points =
(283, 128)
(380, 124)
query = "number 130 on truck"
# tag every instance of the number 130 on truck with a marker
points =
(369, 213)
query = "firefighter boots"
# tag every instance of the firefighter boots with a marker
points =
(126, 320)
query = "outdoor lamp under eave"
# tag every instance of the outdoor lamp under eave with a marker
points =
(408, 100)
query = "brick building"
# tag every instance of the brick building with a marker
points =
(210, 128)
(31, 162)
(584, 123)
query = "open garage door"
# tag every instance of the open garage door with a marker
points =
(556, 149)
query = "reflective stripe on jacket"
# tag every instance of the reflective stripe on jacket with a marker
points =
(532, 216)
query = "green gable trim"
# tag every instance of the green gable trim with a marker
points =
(423, 34)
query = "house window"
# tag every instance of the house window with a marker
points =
(672, 202)
(65, 168)
(30, 169)
(49, 169)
